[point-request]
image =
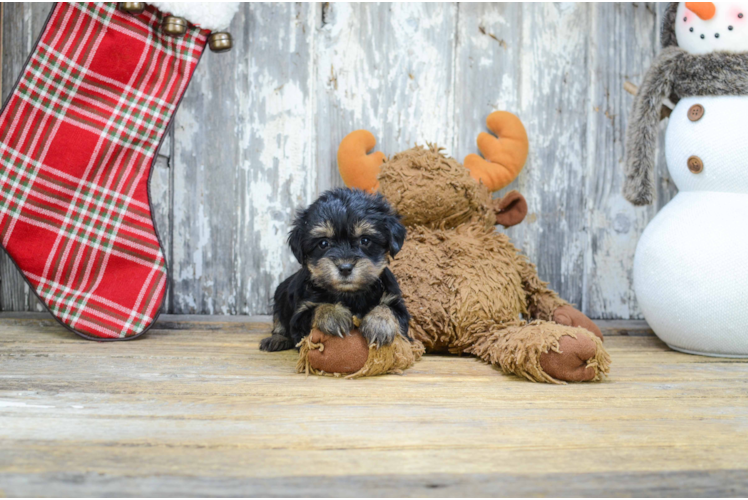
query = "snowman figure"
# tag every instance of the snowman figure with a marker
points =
(691, 263)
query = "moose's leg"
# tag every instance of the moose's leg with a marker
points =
(543, 303)
(570, 316)
(543, 351)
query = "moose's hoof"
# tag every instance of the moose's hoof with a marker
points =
(571, 364)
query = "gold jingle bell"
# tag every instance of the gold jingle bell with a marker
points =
(220, 42)
(174, 26)
(132, 7)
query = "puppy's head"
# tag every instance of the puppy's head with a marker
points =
(344, 238)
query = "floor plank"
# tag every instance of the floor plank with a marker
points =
(194, 408)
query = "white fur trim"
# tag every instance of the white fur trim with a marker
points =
(213, 16)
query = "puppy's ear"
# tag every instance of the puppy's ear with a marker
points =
(396, 232)
(296, 236)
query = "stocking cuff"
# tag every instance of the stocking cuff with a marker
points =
(210, 16)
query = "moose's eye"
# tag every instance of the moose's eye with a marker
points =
(365, 242)
(324, 244)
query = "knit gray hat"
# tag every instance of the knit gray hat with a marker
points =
(676, 74)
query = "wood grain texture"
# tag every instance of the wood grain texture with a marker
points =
(243, 163)
(195, 408)
(614, 224)
(257, 133)
(387, 68)
(22, 24)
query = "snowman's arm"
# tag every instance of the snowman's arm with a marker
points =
(641, 135)
(541, 300)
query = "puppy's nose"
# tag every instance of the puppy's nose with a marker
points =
(345, 269)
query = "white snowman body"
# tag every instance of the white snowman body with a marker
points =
(691, 263)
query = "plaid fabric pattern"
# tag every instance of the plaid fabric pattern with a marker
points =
(77, 140)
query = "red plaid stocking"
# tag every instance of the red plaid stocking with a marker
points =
(78, 137)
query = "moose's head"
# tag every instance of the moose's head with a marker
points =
(430, 189)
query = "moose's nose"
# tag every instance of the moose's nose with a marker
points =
(345, 269)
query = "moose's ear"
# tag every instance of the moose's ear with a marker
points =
(397, 233)
(511, 209)
(296, 236)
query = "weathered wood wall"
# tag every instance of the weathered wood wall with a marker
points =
(256, 135)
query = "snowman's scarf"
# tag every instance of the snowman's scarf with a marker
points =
(675, 74)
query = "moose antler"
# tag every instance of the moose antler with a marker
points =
(357, 168)
(505, 156)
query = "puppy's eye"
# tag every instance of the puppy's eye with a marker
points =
(365, 242)
(324, 244)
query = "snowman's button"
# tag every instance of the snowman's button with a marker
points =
(695, 112)
(695, 165)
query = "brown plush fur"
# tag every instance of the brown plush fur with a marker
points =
(465, 284)
(518, 349)
(412, 182)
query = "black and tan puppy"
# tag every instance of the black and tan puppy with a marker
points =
(343, 242)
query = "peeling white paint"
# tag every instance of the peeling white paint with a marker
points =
(17, 404)
(257, 134)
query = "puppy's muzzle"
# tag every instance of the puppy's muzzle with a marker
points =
(345, 269)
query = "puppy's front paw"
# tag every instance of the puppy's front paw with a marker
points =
(380, 326)
(333, 319)
(276, 342)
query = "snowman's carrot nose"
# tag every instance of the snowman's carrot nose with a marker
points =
(705, 10)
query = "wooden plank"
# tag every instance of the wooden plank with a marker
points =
(598, 245)
(712, 483)
(624, 41)
(387, 68)
(553, 96)
(489, 71)
(218, 322)
(203, 409)
(243, 163)
(260, 141)
(532, 60)
(22, 24)
(161, 201)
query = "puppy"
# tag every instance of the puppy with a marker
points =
(343, 242)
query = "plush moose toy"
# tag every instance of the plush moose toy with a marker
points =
(467, 287)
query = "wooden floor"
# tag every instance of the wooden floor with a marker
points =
(195, 409)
